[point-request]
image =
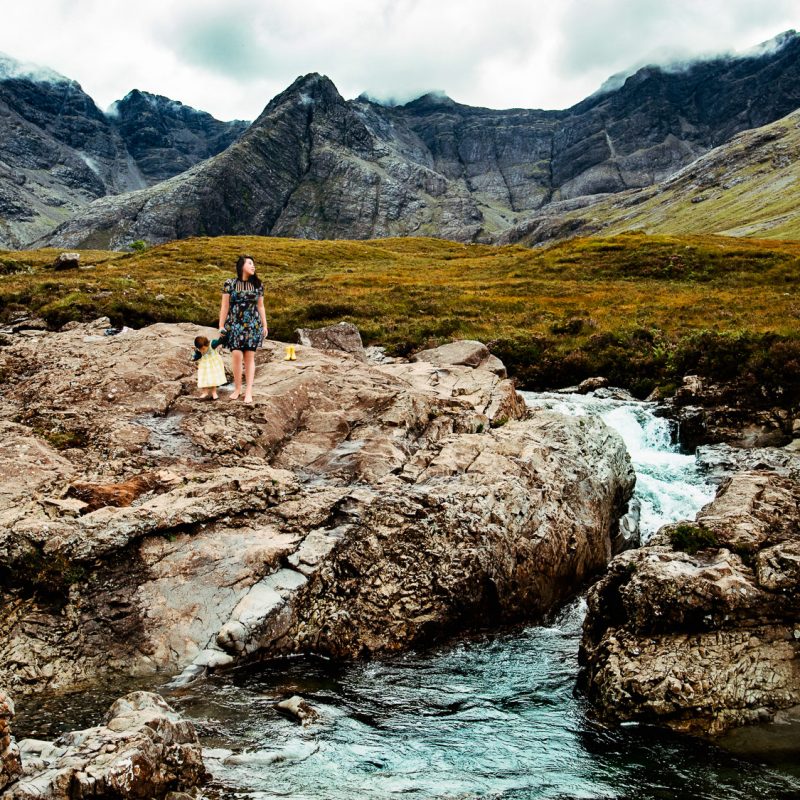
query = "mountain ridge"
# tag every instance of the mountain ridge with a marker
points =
(314, 165)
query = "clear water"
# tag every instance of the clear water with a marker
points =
(493, 716)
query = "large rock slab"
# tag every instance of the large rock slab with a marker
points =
(143, 749)
(705, 640)
(355, 508)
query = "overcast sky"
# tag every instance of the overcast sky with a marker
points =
(230, 58)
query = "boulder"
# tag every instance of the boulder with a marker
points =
(592, 384)
(464, 353)
(355, 508)
(67, 261)
(344, 337)
(704, 638)
(716, 413)
(143, 749)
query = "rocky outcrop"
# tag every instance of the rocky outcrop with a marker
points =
(143, 749)
(10, 764)
(356, 508)
(464, 353)
(731, 413)
(316, 166)
(699, 630)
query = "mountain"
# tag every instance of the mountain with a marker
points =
(746, 187)
(58, 151)
(166, 137)
(314, 165)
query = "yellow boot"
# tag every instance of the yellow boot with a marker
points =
(288, 356)
(292, 356)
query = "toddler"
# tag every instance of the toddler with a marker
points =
(210, 369)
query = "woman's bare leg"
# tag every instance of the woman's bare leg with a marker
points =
(250, 374)
(236, 362)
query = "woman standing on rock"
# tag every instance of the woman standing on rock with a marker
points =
(243, 320)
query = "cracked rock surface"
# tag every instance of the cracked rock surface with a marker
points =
(355, 509)
(708, 641)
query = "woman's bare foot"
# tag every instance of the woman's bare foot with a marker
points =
(234, 396)
(248, 400)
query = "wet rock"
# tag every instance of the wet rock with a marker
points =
(144, 749)
(591, 384)
(297, 708)
(344, 337)
(716, 413)
(720, 461)
(706, 639)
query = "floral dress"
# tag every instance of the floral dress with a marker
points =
(243, 323)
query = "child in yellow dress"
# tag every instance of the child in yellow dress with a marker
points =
(210, 369)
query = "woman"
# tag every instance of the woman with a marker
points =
(242, 317)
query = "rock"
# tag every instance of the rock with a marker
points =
(717, 413)
(144, 749)
(10, 764)
(590, 384)
(343, 336)
(67, 261)
(297, 708)
(463, 353)
(705, 641)
(356, 508)
(720, 461)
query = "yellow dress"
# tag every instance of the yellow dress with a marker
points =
(210, 370)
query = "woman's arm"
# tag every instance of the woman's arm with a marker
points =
(263, 314)
(223, 310)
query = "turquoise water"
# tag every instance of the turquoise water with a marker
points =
(493, 716)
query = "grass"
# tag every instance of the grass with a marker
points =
(625, 306)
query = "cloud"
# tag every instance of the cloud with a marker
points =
(231, 58)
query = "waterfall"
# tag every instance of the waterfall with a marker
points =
(668, 483)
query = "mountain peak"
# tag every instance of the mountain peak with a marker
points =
(311, 90)
(11, 69)
(434, 99)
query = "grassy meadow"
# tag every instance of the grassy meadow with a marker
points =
(641, 310)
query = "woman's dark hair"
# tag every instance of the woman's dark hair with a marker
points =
(255, 280)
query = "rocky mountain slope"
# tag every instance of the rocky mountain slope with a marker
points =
(316, 166)
(745, 187)
(58, 151)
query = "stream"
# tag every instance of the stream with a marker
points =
(490, 716)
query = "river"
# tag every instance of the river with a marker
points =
(489, 716)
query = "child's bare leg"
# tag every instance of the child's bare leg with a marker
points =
(214, 395)
(236, 363)
(250, 374)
